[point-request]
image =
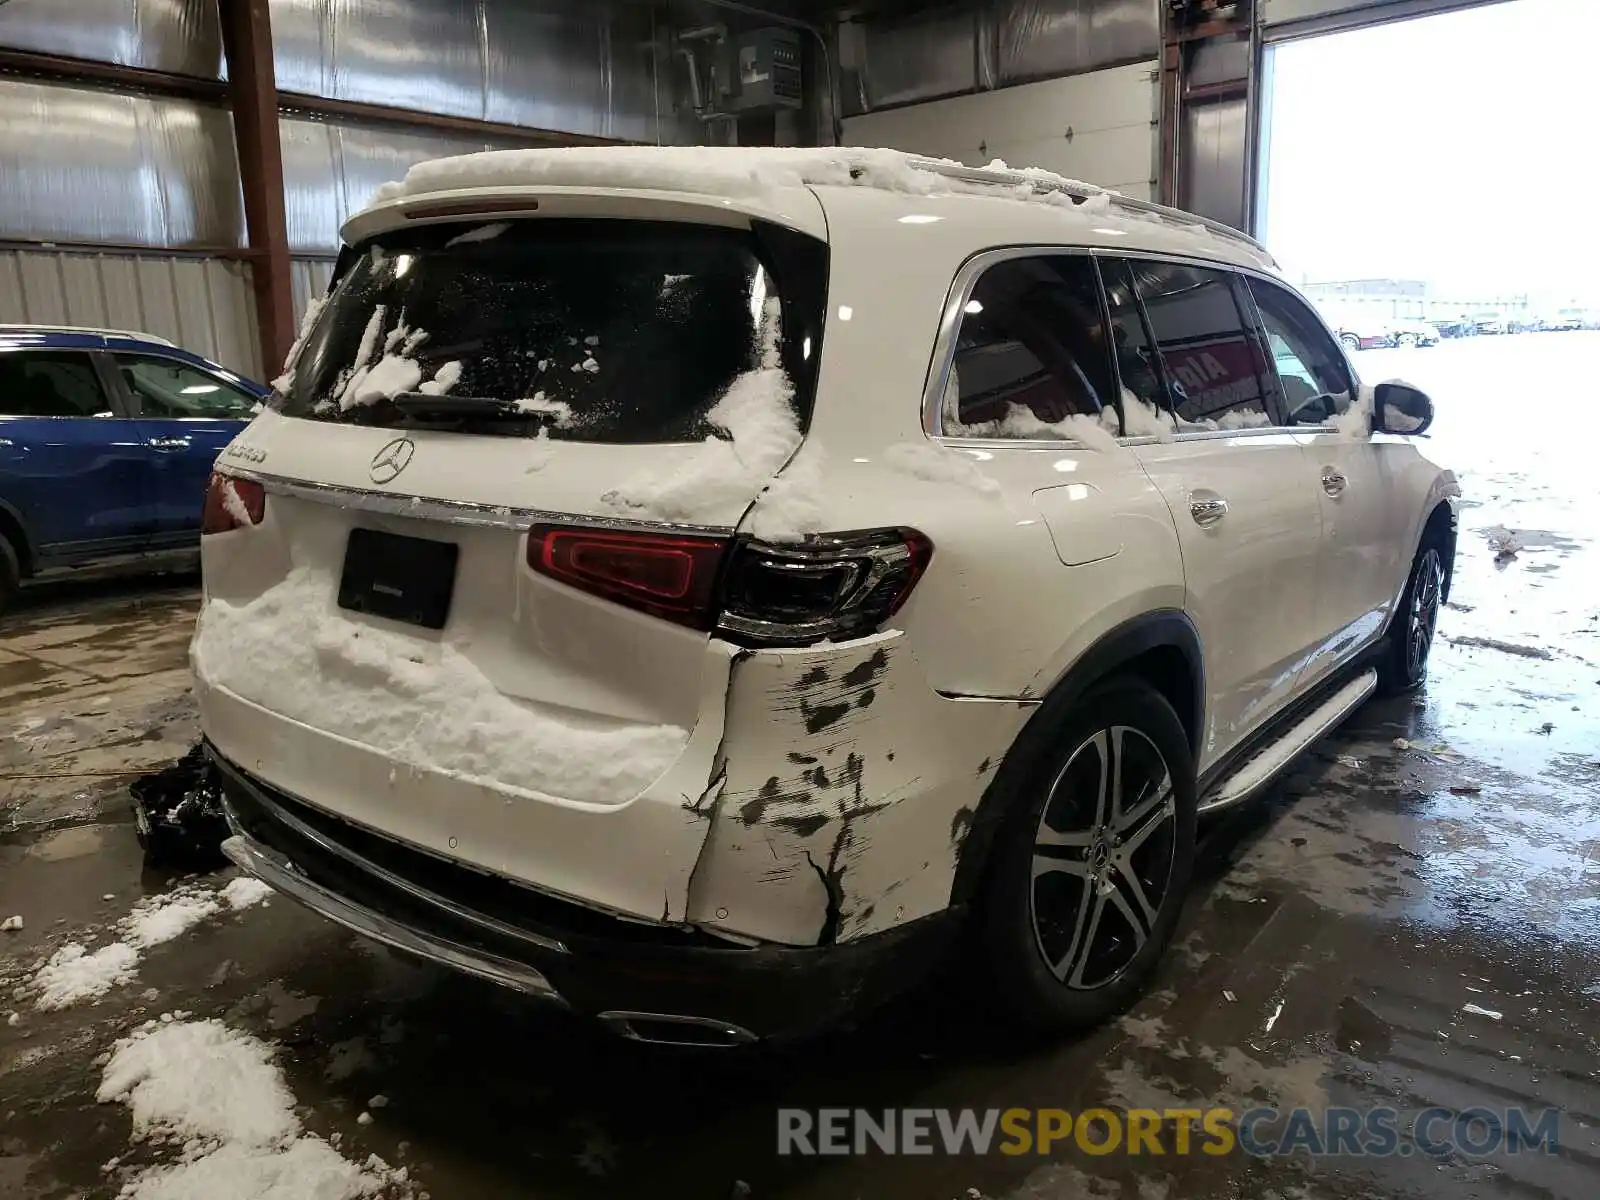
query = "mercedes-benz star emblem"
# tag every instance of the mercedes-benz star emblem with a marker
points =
(391, 460)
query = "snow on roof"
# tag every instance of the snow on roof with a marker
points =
(739, 172)
(736, 171)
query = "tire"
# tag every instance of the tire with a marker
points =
(1350, 342)
(1404, 666)
(1063, 951)
(10, 573)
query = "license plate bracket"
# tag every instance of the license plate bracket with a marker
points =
(405, 579)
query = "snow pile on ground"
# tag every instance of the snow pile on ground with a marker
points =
(757, 413)
(421, 703)
(199, 1079)
(244, 892)
(937, 464)
(161, 918)
(72, 974)
(219, 1094)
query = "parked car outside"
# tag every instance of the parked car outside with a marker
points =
(1414, 333)
(1491, 323)
(1359, 331)
(704, 608)
(1567, 320)
(1456, 327)
(107, 439)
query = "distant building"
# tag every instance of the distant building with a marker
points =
(1409, 299)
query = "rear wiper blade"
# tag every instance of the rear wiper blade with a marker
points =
(424, 404)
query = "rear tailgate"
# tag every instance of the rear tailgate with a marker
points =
(623, 388)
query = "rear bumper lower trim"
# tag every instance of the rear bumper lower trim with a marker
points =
(275, 870)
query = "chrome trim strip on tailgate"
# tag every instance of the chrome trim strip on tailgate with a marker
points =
(450, 512)
(275, 871)
(382, 874)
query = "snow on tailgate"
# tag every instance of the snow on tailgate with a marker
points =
(422, 703)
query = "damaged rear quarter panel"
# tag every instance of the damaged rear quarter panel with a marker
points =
(845, 778)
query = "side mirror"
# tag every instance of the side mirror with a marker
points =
(1400, 408)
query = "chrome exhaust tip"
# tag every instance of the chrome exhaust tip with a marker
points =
(670, 1029)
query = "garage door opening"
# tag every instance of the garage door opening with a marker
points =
(1434, 172)
(1427, 184)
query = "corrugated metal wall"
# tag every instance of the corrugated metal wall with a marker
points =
(204, 304)
(131, 175)
(95, 166)
(574, 66)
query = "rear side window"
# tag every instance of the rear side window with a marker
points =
(1213, 360)
(44, 383)
(593, 330)
(165, 387)
(1032, 350)
(1312, 375)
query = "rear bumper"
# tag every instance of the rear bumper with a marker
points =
(656, 982)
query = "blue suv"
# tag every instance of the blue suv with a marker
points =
(106, 442)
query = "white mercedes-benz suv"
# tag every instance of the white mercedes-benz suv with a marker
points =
(706, 587)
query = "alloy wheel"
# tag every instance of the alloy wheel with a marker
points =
(1424, 615)
(1103, 857)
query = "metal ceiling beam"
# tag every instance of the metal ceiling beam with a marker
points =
(60, 68)
(409, 118)
(247, 43)
(63, 69)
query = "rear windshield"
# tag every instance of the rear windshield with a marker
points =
(592, 330)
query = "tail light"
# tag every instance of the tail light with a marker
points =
(840, 586)
(232, 503)
(665, 575)
(837, 586)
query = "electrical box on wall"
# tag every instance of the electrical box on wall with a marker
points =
(763, 72)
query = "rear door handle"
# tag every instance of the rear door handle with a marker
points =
(170, 443)
(1208, 510)
(1333, 482)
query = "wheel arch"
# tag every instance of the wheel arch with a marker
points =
(1442, 525)
(15, 532)
(1161, 647)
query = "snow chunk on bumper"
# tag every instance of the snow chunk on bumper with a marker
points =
(424, 704)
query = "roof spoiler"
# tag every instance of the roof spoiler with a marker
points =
(1045, 182)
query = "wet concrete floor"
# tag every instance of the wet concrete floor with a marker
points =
(1336, 935)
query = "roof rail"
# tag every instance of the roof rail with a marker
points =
(127, 333)
(1044, 181)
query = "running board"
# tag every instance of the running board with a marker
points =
(1265, 766)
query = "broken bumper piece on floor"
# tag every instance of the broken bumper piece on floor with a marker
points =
(177, 813)
(656, 983)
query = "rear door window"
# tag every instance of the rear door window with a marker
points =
(1214, 362)
(1031, 352)
(51, 383)
(165, 387)
(1312, 373)
(593, 330)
